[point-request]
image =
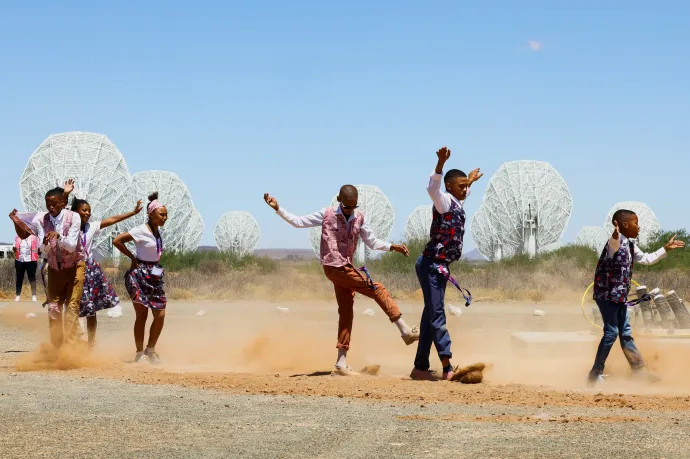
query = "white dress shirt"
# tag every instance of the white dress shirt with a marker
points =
(25, 250)
(34, 221)
(638, 256)
(316, 219)
(87, 237)
(145, 241)
(442, 199)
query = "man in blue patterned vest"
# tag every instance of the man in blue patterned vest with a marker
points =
(445, 247)
(611, 285)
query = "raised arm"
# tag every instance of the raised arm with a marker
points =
(440, 199)
(305, 221)
(118, 218)
(68, 187)
(21, 228)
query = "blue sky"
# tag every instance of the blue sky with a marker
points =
(298, 98)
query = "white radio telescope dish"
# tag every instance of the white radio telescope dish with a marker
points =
(485, 236)
(100, 173)
(528, 206)
(182, 231)
(594, 237)
(237, 232)
(418, 226)
(378, 213)
(649, 224)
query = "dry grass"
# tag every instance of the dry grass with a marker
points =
(554, 279)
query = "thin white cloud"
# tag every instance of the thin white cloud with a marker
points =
(534, 45)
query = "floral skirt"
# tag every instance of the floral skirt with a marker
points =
(98, 292)
(144, 287)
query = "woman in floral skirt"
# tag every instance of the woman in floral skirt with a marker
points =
(98, 292)
(144, 280)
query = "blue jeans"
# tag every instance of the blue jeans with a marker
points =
(432, 328)
(616, 324)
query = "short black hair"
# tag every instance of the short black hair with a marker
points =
(77, 203)
(348, 191)
(57, 191)
(622, 215)
(453, 173)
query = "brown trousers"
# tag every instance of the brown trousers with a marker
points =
(347, 281)
(65, 287)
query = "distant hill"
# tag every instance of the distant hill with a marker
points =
(474, 255)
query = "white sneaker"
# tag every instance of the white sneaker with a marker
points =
(141, 358)
(346, 371)
(153, 357)
(17, 299)
(34, 299)
(412, 336)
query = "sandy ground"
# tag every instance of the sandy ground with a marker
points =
(247, 380)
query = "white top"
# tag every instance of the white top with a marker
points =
(316, 219)
(25, 250)
(638, 256)
(147, 249)
(87, 237)
(441, 199)
(35, 222)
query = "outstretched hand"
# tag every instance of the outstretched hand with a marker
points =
(401, 248)
(475, 175)
(673, 244)
(616, 231)
(13, 214)
(138, 208)
(271, 201)
(443, 154)
(68, 186)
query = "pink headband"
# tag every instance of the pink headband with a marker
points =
(153, 205)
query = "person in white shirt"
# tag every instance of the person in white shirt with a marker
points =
(144, 279)
(58, 233)
(341, 228)
(26, 261)
(98, 293)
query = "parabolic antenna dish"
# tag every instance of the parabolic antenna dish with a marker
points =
(418, 226)
(237, 232)
(181, 231)
(528, 206)
(484, 235)
(594, 237)
(378, 213)
(649, 224)
(100, 173)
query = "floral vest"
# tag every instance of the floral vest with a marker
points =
(447, 233)
(613, 275)
(337, 243)
(59, 258)
(34, 247)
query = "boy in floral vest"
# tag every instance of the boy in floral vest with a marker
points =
(611, 285)
(58, 232)
(447, 233)
(342, 227)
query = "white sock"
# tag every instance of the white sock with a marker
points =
(140, 353)
(342, 354)
(150, 349)
(402, 326)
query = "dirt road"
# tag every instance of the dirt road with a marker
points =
(247, 380)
